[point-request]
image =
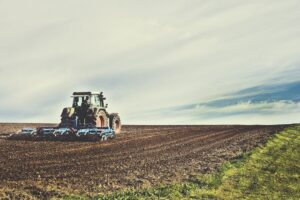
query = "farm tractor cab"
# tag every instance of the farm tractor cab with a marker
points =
(87, 118)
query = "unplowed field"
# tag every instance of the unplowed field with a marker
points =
(140, 156)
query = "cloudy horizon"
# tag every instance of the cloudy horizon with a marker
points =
(164, 62)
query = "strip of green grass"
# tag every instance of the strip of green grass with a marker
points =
(269, 172)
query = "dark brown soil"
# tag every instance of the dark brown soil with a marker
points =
(140, 156)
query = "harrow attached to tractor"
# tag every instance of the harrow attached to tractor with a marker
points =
(87, 119)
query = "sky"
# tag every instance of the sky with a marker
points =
(157, 62)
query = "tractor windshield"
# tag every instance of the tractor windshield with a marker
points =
(94, 100)
(78, 100)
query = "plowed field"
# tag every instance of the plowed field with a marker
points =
(140, 156)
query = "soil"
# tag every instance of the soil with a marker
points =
(141, 156)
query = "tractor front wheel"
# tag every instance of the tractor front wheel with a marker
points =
(102, 119)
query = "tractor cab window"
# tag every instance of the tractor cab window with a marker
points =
(80, 100)
(95, 100)
(86, 100)
(77, 101)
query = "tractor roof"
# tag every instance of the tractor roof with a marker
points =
(85, 93)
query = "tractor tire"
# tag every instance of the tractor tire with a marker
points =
(115, 122)
(101, 119)
(66, 117)
(65, 122)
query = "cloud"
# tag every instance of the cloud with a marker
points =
(143, 56)
(265, 102)
(269, 93)
(263, 112)
(261, 107)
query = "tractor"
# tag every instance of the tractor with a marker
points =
(88, 110)
(86, 119)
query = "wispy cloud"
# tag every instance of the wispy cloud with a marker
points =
(265, 101)
(248, 107)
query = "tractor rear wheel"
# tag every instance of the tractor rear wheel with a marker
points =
(115, 122)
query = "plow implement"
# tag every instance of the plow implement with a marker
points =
(64, 134)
